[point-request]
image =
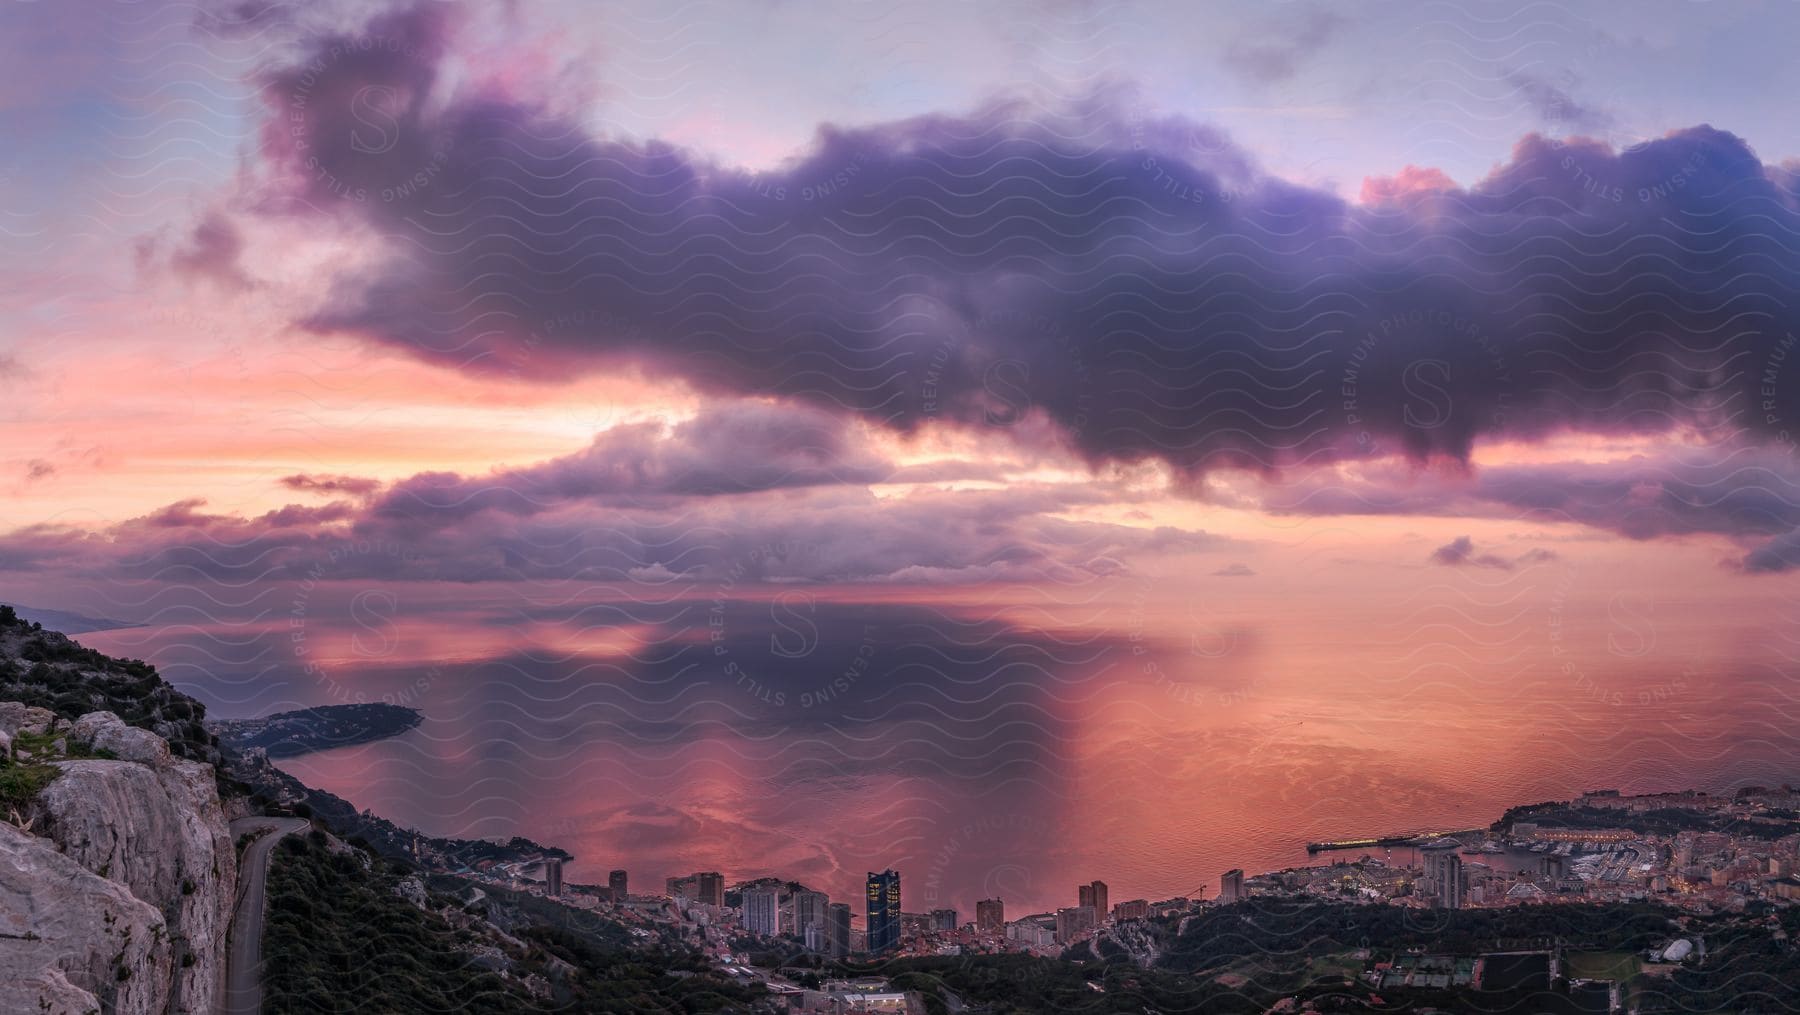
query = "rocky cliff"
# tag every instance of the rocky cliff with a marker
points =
(47, 669)
(116, 884)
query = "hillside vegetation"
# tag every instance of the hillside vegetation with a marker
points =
(44, 668)
(350, 932)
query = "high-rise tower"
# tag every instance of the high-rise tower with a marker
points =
(884, 911)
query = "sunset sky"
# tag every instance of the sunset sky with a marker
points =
(1329, 354)
(1104, 267)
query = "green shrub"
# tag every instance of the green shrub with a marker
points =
(20, 783)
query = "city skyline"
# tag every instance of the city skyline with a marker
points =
(1591, 850)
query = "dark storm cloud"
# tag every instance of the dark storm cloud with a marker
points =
(1750, 495)
(936, 538)
(745, 493)
(1742, 495)
(733, 448)
(1779, 554)
(1008, 266)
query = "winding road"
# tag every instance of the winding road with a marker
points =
(243, 968)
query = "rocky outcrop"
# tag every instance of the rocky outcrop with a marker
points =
(151, 825)
(48, 993)
(17, 717)
(1138, 939)
(413, 890)
(46, 669)
(103, 731)
(72, 938)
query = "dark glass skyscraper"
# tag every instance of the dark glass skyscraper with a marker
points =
(809, 909)
(840, 929)
(884, 911)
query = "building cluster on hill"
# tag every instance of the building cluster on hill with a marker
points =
(1692, 851)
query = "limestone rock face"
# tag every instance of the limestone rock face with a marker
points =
(412, 890)
(152, 825)
(16, 716)
(104, 731)
(66, 932)
(48, 993)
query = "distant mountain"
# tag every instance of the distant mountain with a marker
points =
(69, 623)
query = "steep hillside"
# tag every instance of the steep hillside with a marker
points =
(276, 791)
(117, 869)
(342, 937)
(118, 876)
(44, 668)
(352, 932)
